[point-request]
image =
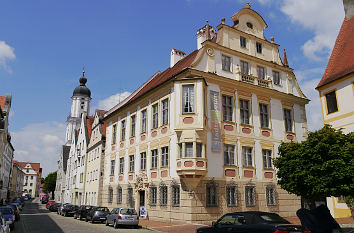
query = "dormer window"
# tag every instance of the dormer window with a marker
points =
(249, 25)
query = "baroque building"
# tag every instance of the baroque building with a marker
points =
(198, 139)
(32, 177)
(336, 90)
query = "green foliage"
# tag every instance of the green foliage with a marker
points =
(349, 200)
(321, 166)
(50, 182)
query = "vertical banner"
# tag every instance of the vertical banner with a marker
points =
(215, 113)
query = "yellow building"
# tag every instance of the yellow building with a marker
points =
(197, 140)
(336, 90)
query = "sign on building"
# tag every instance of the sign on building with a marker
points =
(215, 121)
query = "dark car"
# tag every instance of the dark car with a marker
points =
(82, 212)
(252, 221)
(16, 211)
(69, 210)
(62, 206)
(54, 207)
(97, 213)
(45, 200)
(9, 216)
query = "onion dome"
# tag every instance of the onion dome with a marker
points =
(82, 90)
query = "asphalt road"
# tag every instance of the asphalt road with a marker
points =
(35, 218)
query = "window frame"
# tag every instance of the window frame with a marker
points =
(185, 150)
(132, 125)
(330, 102)
(231, 197)
(211, 195)
(250, 195)
(267, 158)
(113, 165)
(247, 157)
(164, 156)
(176, 195)
(143, 121)
(143, 161)
(271, 196)
(131, 163)
(155, 116)
(227, 108)
(261, 72)
(110, 195)
(245, 111)
(114, 134)
(165, 110)
(153, 196)
(163, 195)
(189, 98)
(226, 61)
(259, 47)
(263, 115)
(121, 165)
(123, 126)
(119, 195)
(243, 42)
(243, 64)
(229, 155)
(288, 122)
(154, 159)
(276, 78)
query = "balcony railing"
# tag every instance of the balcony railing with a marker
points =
(192, 167)
(248, 78)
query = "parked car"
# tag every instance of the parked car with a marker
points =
(17, 204)
(19, 201)
(45, 200)
(82, 212)
(49, 203)
(54, 207)
(252, 221)
(69, 210)
(4, 227)
(62, 206)
(16, 211)
(123, 216)
(9, 215)
(97, 213)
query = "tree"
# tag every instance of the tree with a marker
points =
(319, 167)
(50, 183)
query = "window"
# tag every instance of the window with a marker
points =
(245, 112)
(331, 100)
(143, 161)
(119, 195)
(114, 134)
(250, 195)
(131, 163)
(163, 195)
(153, 195)
(231, 195)
(123, 130)
(247, 156)
(341, 199)
(132, 128)
(226, 63)
(180, 145)
(110, 195)
(244, 67)
(264, 117)
(188, 99)
(143, 121)
(250, 25)
(260, 72)
(130, 200)
(164, 156)
(267, 159)
(113, 162)
(165, 112)
(229, 157)
(211, 195)
(227, 107)
(270, 195)
(188, 150)
(175, 195)
(199, 150)
(31, 177)
(243, 42)
(154, 159)
(121, 165)
(259, 47)
(276, 77)
(155, 116)
(31, 184)
(288, 120)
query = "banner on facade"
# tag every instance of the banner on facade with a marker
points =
(143, 211)
(215, 113)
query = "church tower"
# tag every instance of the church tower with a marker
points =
(80, 105)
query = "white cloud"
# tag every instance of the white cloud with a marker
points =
(6, 54)
(113, 100)
(39, 143)
(323, 17)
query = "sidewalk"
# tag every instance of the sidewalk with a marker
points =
(176, 227)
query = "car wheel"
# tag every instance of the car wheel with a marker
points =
(80, 217)
(107, 224)
(75, 217)
(92, 221)
(115, 224)
(86, 219)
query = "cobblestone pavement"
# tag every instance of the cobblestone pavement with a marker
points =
(35, 218)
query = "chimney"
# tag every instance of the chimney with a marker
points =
(176, 55)
(348, 8)
(205, 33)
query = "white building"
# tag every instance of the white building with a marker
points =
(32, 177)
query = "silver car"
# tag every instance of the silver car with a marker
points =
(123, 216)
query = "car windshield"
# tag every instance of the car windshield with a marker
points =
(102, 209)
(6, 210)
(272, 218)
(128, 211)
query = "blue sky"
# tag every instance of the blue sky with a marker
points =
(45, 44)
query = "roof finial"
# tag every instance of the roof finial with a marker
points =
(285, 59)
(83, 79)
(207, 30)
(247, 5)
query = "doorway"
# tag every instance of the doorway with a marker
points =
(142, 198)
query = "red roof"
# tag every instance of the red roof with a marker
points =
(161, 78)
(2, 102)
(89, 121)
(341, 61)
(35, 166)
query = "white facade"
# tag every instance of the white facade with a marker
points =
(31, 180)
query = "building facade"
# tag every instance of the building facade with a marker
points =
(94, 162)
(198, 139)
(336, 90)
(32, 177)
(17, 181)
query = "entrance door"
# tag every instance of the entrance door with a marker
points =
(142, 198)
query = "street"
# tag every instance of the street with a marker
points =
(35, 218)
